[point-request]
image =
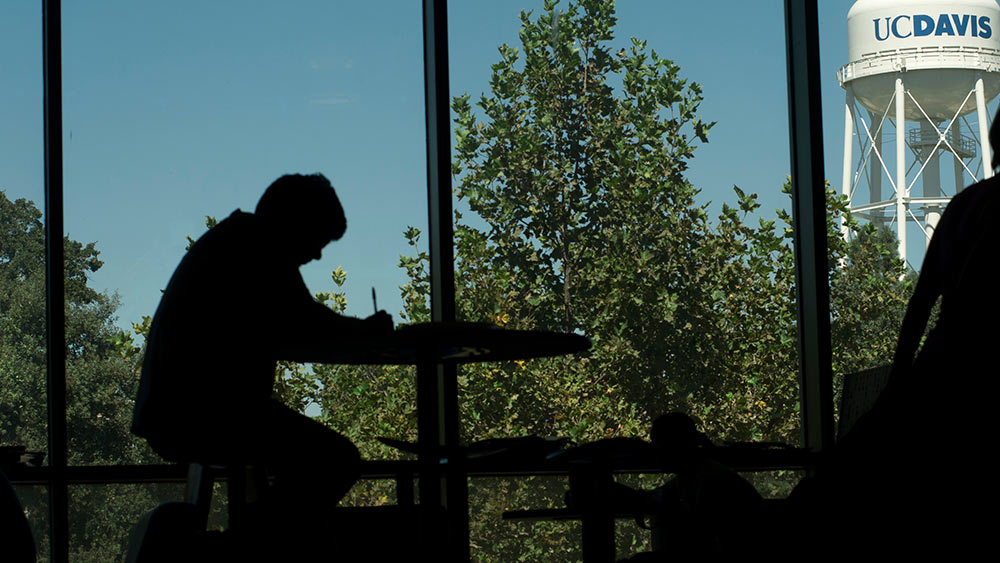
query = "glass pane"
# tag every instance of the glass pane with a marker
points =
(23, 415)
(374, 492)
(894, 175)
(495, 539)
(862, 166)
(596, 154)
(774, 484)
(629, 232)
(180, 113)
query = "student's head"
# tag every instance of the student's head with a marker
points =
(306, 212)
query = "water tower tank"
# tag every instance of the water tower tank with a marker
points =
(916, 70)
(941, 46)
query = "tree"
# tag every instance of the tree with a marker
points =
(869, 295)
(101, 371)
(592, 227)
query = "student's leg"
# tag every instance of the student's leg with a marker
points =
(313, 466)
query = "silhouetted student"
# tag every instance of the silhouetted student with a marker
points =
(707, 510)
(235, 305)
(913, 470)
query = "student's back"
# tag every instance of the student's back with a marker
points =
(213, 343)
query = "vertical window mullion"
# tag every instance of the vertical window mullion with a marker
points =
(809, 217)
(442, 426)
(54, 281)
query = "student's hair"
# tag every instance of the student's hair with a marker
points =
(304, 198)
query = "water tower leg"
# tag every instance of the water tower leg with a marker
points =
(875, 172)
(847, 184)
(984, 129)
(959, 169)
(931, 222)
(931, 175)
(901, 168)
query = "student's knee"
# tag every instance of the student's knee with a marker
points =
(337, 452)
(348, 458)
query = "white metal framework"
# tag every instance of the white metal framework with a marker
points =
(903, 109)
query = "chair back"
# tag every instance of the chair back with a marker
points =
(861, 390)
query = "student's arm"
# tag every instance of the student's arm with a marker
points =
(309, 330)
(319, 319)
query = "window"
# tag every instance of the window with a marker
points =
(23, 362)
(170, 117)
(595, 196)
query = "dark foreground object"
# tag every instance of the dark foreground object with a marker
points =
(18, 545)
(170, 533)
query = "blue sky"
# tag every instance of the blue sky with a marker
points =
(178, 110)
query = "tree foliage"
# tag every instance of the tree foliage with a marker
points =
(583, 221)
(575, 162)
(101, 372)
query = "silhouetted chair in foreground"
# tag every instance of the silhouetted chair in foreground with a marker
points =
(18, 545)
(690, 515)
(244, 484)
(180, 529)
(861, 390)
(177, 531)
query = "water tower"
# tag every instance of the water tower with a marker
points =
(918, 81)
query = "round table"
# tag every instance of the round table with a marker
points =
(436, 349)
(451, 343)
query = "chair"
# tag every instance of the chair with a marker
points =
(180, 529)
(18, 544)
(244, 483)
(861, 390)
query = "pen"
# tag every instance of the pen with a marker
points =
(374, 302)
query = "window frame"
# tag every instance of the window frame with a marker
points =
(809, 216)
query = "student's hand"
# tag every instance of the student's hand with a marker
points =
(379, 322)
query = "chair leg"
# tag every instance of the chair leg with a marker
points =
(243, 484)
(236, 476)
(199, 490)
(257, 483)
(404, 489)
(166, 534)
